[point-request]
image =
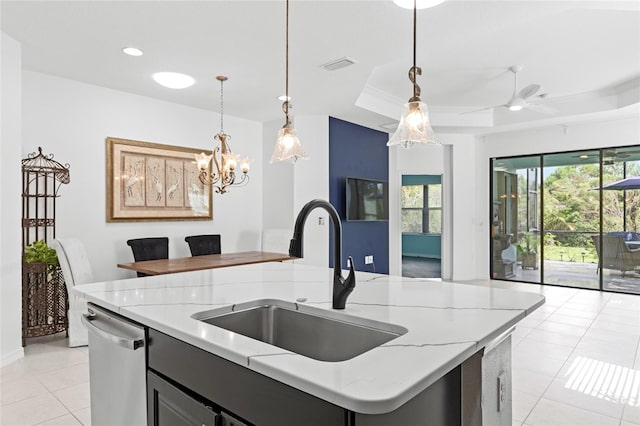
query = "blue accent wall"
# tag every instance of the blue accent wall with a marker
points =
(358, 152)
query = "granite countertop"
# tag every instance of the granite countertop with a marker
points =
(446, 322)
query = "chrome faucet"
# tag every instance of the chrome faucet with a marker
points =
(342, 287)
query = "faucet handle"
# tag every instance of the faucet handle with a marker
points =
(351, 279)
(342, 287)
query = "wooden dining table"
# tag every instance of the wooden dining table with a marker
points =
(209, 261)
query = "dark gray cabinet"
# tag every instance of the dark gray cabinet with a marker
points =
(196, 378)
(169, 406)
(238, 391)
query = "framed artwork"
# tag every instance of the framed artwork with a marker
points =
(153, 182)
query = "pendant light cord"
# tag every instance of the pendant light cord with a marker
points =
(414, 34)
(415, 70)
(285, 105)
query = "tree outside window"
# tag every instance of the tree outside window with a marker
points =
(422, 208)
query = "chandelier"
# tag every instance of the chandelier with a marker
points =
(224, 160)
(415, 126)
(288, 146)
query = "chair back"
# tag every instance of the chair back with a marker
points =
(73, 260)
(76, 270)
(149, 249)
(204, 244)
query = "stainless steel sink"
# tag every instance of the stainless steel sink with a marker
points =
(315, 333)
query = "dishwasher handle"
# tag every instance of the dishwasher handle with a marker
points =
(132, 344)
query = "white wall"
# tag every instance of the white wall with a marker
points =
(277, 203)
(311, 181)
(10, 210)
(615, 132)
(417, 160)
(457, 162)
(72, 120)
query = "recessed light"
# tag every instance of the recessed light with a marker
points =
(584, 156)
(284, 98)
(132, 51)
(173, 80)
(420, 4)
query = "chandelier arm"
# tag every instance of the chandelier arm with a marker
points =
(230, 178)
(217, 173)
(208, 179)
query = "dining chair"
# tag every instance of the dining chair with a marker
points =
(204, 244)
(76, 270)
(149, 249)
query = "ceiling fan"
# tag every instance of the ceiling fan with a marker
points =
(522, 99)
(610, 156)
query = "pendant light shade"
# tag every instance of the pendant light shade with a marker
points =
(288, 146)
(415, 126)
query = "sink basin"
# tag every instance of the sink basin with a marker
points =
(315, 333)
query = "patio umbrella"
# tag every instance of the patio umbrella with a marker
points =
(628, 183)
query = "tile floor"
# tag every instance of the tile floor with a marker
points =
(576, 362)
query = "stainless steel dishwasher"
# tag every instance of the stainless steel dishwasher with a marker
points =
(117, 369)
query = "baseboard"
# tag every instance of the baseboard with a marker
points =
(11, 357)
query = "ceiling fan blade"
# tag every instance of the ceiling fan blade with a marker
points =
(544, 109)
(528, 91)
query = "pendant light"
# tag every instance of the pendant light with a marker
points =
(224, 160)
(415, 126)
(288, 146)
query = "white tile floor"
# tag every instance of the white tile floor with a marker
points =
(576, 362)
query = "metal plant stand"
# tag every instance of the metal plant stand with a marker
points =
(44, 295)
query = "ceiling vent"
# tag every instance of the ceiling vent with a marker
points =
(338, 63)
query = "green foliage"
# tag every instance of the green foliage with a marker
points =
(39, 251)
(572, 202)
(527, 243)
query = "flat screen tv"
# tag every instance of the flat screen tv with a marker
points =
(367, 199)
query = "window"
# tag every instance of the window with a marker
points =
(422, 208)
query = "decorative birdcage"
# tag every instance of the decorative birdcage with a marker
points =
(44, 294)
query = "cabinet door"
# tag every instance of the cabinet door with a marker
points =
(169, 406)
(229, 420)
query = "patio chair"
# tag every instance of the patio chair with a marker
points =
(76, 270)
(615, 254)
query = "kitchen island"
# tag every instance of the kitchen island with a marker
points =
(450, 329)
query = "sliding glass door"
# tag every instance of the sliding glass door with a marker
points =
(515, 226)
(620, 220)
(571, 218)
(557, 219)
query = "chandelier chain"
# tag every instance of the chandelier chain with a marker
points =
(221, 106)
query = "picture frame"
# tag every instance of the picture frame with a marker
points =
(154, 182)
